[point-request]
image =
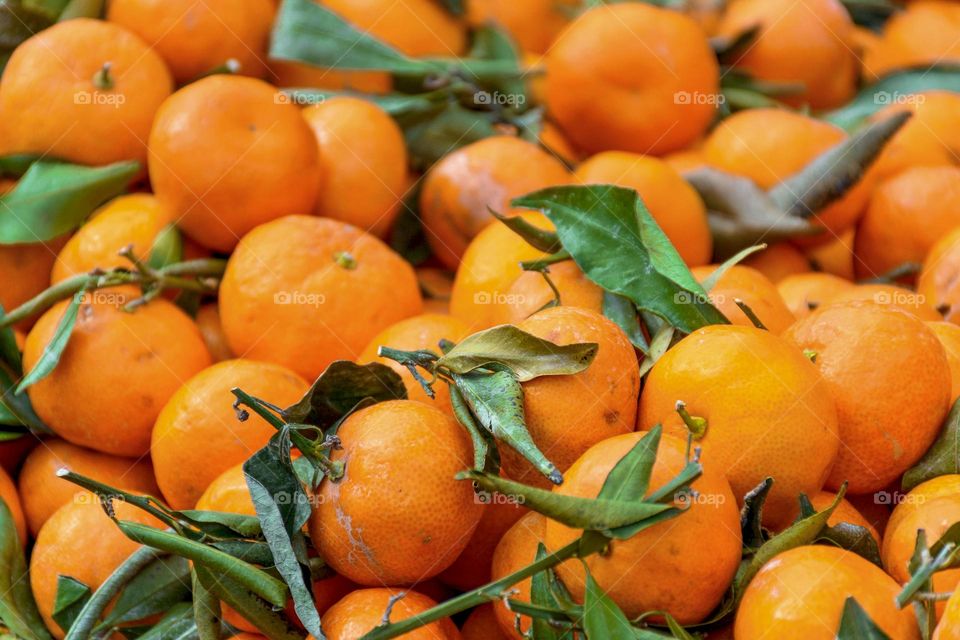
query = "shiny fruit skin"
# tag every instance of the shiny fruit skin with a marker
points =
(646, 572)
(530, 293)
(198, 427)
(363, 160)
(568, 414)
(117, 370)
(753, 289)
(632, 77)
(800, 595)
(397, 516)
(43, 493)
(890, 296)
(767, 409)
(228, 153)
(360, 611)
(329, 289)
(56, 109)
(805, 292)
(949, 336)
(890, 379)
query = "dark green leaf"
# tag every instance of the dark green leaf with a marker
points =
(340, 388)
(895, 88)
(252, 578)
(617, 244)
(250, 552)
(541, 239)
(834, 172)
(54, 198)
(542, 595)
(630, 477)
(855, 624)
(602, 618)
(221, 524)
(14, 166)
(176, 624)
(456, 7)
(167, 248)
(162, 584)
(71, 596)
(206, 607)
(485, 455)
(9, 351)
(16, 25)
(751, 515)
(18, 405)
(854, 538)
(54, 349)
(496, 400)
(943, 456)
(590, 514)
(431, 136)
(407, 236)
(624, 314)
(658, 346)
(18, 611)
(305, 31)
(283, 508)
(82, 9)
(270, 622)
(50, 9)
(525, 355)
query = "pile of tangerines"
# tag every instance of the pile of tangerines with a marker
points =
(480, 319)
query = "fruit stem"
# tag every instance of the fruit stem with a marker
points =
(103, 596)
(695, 424)
(751, 316)
(102, 79)
(487, 593)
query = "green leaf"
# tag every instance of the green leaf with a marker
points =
(167, 248)
(711, 281)
(434, 135)
(50, 9)
(525, 355)
(892, 88)
(541, 594)
(222, 524)
(855, 624)
(407, 235)
(206, 607)
(496, 400)
(14, 166)
(618, 245)
(18, 405)
(18, 610)
(54, 349)
(630, 477)
(622, 312)
(54, 198)
(485, 455)
(82, 9)
(855, 538)
(540, 239)
(283, 508)
(837, 170)
(741, 214)
(589, 514)
(943, 456)
(9, 351)
(251, 578)
(258, 612)
(176, 624)
(71, 596)
(602, 618)
(161, 585)
(658, 347)
(341, 388)
(305, 31)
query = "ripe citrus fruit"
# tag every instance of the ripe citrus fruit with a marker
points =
(888, 295)
(531, 292)
(834, 256)
(304, 291)
(804, 292)
(753, 289)
(809, 43)
(770, 145)
(208, 320)
(632, 77)
(533, 24)
(949, 336)
(25, 270)
(130, 220)
(397, 516)
(672, 202)
(801, 593)
(948, 628)
(94, 109)
(196, 38)
(940, 275)
(907, 215)
(8, 493)
(924, 33)
(363, 161)
(222, 171)
(482, 625)
(645, 572)
(932, 506)
(228, 493)
(110, 404)
(566, 415)
(82, 542)
(418, 28)
(42, 492)
(463, 186)
(767, 409)
(927, 139)
(489, 268)
(419, 332)
(890, 379)
(200, 418)
(779, 261)
(362, 610)
(517, 549)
